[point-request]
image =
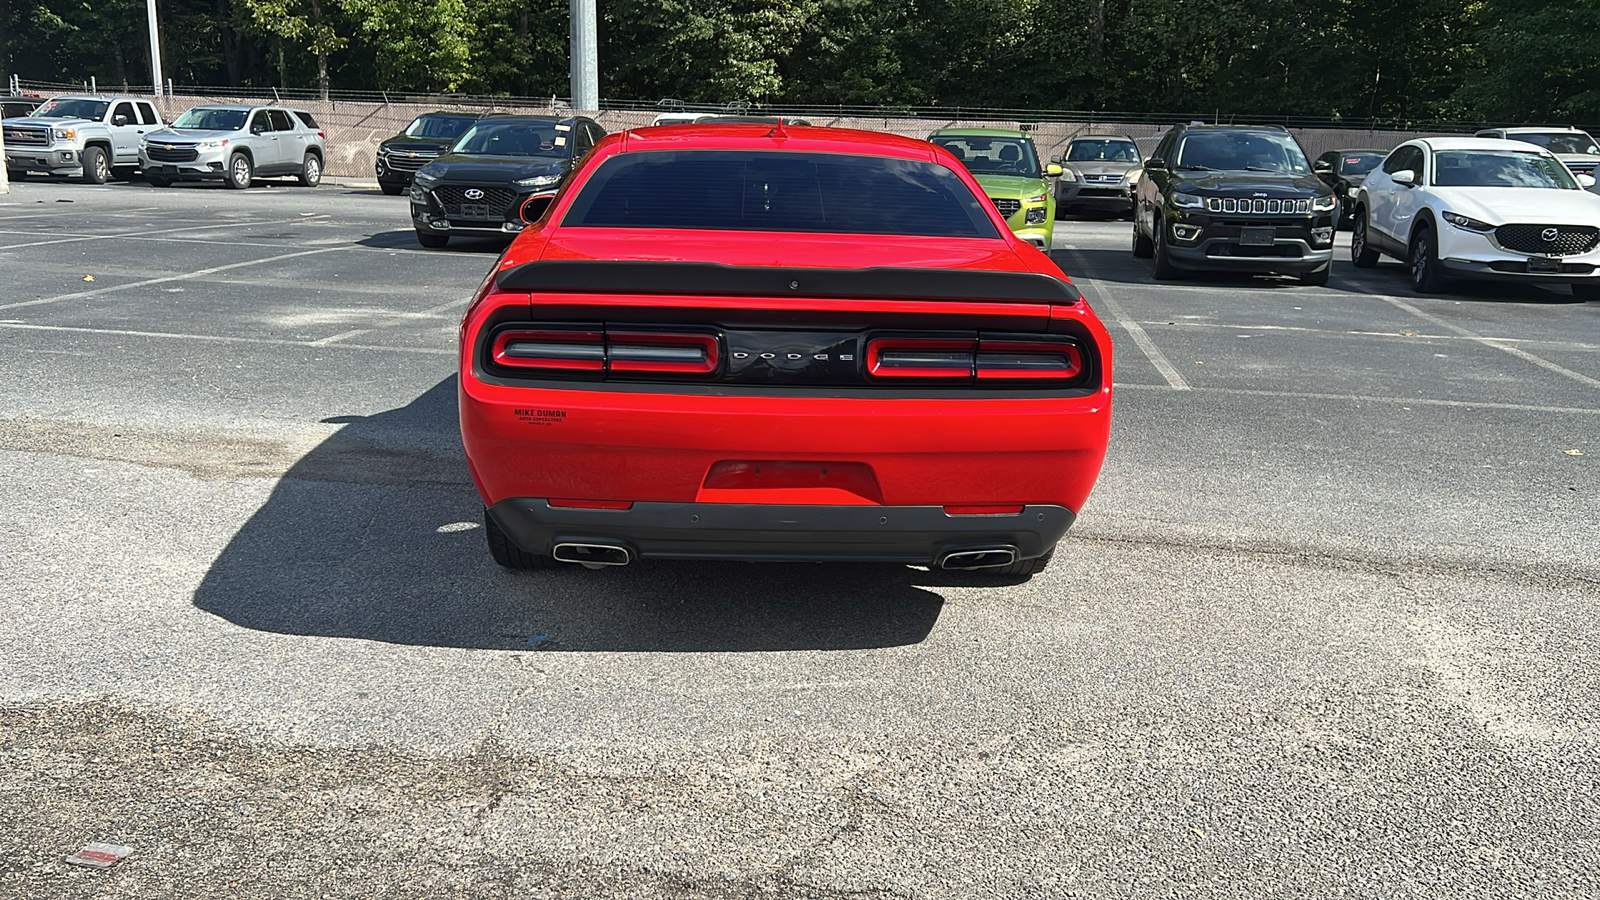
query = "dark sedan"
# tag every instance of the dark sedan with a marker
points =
(480, 185)
(1344, 171)
(428, 135)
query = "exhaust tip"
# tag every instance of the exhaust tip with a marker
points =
(593, 556)
(987, 558)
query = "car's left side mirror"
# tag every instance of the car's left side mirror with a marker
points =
(1053, 170)
(1585, 181)
(119, 121)
(1322, 168)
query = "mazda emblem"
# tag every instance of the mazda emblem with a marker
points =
(1550, 234)
(473, 194)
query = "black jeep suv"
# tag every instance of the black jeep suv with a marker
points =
(1240, 198)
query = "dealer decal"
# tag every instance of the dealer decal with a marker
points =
(540, 416)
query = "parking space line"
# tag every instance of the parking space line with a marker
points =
(1300, 329)
(76, 295)
(1134, 329)
(216, 338)
(396, 319)
(78, 239)
(1496, 343)
(1366, 398)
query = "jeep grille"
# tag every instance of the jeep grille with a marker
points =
(1245, 205)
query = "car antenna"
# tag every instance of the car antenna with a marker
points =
(777, 133)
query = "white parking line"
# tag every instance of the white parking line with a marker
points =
(1134, 330)
(78, 239)
(76, 295)
(218, 338)
(1496, 343)
(1364, 398)
(1301, 329)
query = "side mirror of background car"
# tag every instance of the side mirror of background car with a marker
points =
(1053, 170)
(1155, 163)
(258, 129)
(1585, 181)
(1405, 176)
(1322, 167)
(119, 121)
(1056, 159)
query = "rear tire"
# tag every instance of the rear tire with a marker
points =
(392, 190)
(96, 170)
(432, 241)
(1361, 252)
(509, 555)
(240, 170)
(311, 170)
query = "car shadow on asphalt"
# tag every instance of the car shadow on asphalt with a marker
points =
(376, 534)
(406, 239)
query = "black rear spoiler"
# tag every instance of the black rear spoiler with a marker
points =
(559, 276)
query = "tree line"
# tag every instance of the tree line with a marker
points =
(1397, 60)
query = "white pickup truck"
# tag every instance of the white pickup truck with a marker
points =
(93, 138)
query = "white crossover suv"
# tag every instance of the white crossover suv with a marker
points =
(1479, 208)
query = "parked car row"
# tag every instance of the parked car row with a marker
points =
(1494, 206)
(97, 138)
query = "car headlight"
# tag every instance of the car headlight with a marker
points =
(1324, 204)
(1068, 175)
(1037, 215)
(538, 181)
(1132, 178)
(1466, 222)
(211, 145)
(1187, 201)
(64, 134)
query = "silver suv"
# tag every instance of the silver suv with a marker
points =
(234, 144)
(1572, 146)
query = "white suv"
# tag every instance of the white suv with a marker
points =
(234, 144)
(1479, 208)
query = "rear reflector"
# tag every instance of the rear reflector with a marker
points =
(1008, 510)
(592, 504)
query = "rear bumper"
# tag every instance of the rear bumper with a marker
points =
(761, 532)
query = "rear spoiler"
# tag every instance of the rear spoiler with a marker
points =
(559, 276)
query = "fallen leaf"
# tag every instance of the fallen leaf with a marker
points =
(1408, 334)
(88, 278)
(1573, 452)
(1198, 832)
(1198, 363)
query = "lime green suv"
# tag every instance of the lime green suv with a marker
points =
(1006, 164)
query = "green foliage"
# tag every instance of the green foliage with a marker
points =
(1416, 60)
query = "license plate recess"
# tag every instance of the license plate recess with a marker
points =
(1258, 237)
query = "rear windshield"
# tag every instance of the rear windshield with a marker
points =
(1359, 163)
(306, 119)
(1559, 142)
(734, 190)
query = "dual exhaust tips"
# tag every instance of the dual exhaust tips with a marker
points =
(600, 556)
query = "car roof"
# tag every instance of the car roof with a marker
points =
(739, 136)
(1259, 129)
(109, 98)
(1540, 129)
(1102, 137)
(526, 117)
(979, 132)
(1478, 143)
(455, 112)
(1356, 150)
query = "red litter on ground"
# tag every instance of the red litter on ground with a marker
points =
(101, 856)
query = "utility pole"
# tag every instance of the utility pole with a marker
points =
(155, 47)
(585, 59)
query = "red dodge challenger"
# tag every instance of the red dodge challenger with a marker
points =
(776, 342)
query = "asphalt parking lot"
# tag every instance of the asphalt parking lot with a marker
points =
(1325, 629)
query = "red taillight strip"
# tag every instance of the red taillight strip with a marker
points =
(1007, 360)
(686, 354)
(581, 351)
(920, 357)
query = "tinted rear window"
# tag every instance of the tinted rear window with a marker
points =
(305, 117)
(734, 190)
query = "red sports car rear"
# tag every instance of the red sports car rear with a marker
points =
(757, 343)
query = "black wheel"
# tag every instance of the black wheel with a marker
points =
(158, 181)
(508, 554)
(1141, 244)
(311, 170)
(1586, 291)
(240, 170)
(431, 240)
(96, 168)
(1161, 267)
(1424, 261)
(1319, 277)
(1361, 252)
(391, 188)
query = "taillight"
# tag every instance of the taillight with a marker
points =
(895, 357)
(1003, 360)
(594, 351)
(987, 359)
(674, 354)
